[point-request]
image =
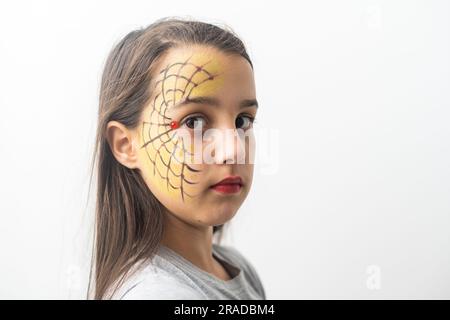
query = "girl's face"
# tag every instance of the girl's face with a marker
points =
(188, 137)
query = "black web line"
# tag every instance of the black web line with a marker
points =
(162, 113)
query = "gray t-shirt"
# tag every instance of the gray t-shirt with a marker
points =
(170, 276)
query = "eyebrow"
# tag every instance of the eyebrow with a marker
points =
(214, 102)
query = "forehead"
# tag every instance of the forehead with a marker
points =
(201, 70)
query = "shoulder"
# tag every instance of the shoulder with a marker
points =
(155, 283)
(237, 258)
(161, 288)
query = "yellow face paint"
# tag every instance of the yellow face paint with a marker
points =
(189, 74)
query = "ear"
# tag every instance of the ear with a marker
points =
(122, 143)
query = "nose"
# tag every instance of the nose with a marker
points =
(229, 146)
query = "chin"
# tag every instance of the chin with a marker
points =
(222, 216)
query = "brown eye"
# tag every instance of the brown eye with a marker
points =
(244, 122)
(194, 123)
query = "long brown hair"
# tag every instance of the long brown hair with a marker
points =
(129, 218)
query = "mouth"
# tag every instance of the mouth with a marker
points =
(229, 185)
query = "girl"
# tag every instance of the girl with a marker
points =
(157, 208)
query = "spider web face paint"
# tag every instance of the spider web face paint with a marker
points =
(165, 148)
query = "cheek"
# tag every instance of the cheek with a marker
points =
(250, 147)
(168, 168)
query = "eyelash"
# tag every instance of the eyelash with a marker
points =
(183, 122)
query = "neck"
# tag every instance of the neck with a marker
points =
(192, 242)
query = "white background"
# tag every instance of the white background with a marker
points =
(358, 92)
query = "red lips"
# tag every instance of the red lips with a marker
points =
(230, 180)
(232, 184)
